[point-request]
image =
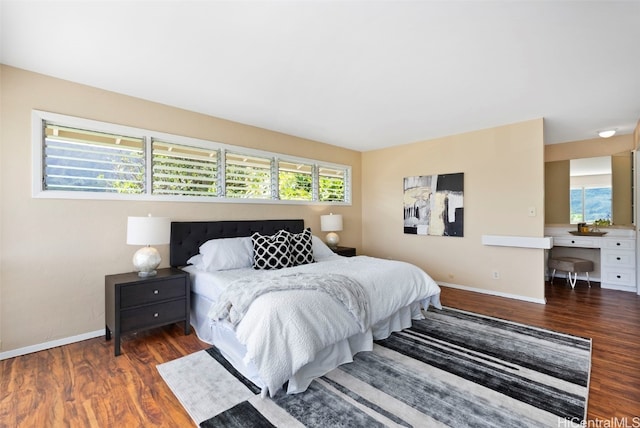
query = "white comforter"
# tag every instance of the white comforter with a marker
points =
(284, 330)
(240, 294)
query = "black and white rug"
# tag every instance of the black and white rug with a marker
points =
(452, 369)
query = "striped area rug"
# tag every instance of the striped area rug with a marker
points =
(454, 369)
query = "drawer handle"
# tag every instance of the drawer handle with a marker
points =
(617, 258)
(155, 315)
(618, 276)
(573, 242)
(155, 291)
(618, 244)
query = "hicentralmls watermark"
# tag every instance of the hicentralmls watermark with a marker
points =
(615, 422)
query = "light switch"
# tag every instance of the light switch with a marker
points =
(532, 211)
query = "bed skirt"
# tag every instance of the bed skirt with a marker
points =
(223, 338)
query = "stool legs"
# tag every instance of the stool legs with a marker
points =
(572, 281)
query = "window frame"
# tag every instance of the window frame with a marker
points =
(38, 118)
(583, 204)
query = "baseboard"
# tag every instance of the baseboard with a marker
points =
(494, 293)
(48, 345)
(610, 286)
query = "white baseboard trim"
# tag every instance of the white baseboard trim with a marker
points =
(494, 293)
(48, 345)
(610, 286)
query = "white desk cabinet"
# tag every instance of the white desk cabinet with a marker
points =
(618, 259)
(617, 254)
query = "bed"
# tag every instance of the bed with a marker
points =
(323, 310)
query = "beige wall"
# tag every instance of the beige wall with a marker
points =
(55, 253)
(504, 176)
(588, 148)
(622, 190)
(556, 187)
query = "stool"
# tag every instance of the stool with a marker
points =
(571, 265)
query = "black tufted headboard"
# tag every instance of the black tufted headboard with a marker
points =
(187, 236)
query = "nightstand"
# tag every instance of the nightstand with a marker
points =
(134, 303)
(344, 251)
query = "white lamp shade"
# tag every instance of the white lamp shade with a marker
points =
(331, 222)
(148, 230)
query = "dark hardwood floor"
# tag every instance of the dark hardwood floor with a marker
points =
(83, 384)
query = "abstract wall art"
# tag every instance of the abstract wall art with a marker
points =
(433, 205)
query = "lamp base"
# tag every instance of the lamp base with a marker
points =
(143, 274)
(332, 239)
(146, 260)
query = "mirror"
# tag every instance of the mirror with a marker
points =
(590, 190)
(558, 193)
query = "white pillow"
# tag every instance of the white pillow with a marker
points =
(320, 249)
(197, 262)
(227, 253)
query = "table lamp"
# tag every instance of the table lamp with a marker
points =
(147, 231)
(331, 223)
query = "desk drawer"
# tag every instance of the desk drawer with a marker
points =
(153, 315)
(578, 242)
(619, 244)
(618, 259)
(619, 276)
(152, 291)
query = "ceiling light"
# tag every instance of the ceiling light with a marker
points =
(607, 133)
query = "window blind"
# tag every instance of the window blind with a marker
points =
(331, 184)
(295, 181)
(90, 161)
(247, 176)
(183, 170)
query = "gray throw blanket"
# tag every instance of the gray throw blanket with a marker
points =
(236, 299)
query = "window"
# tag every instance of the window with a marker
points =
(295, 181)
(332, 184)
(247, 176)
(590, 204)
(80, 158)
(182, 170)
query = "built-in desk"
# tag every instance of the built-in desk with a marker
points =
(614, 254)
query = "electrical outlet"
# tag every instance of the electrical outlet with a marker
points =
(495, 274)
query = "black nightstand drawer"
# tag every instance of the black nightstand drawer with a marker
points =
(152, 315)
(151, 292)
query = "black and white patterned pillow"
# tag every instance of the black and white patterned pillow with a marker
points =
(271, 252)
(301, 247)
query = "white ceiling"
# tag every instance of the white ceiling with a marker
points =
(357, 74)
